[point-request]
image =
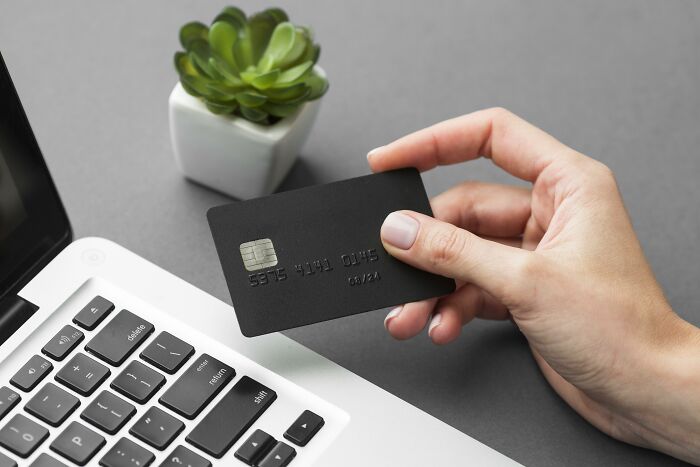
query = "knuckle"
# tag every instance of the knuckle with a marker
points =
(445, 246)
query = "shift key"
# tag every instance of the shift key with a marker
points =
(119, 338)
(197, 386)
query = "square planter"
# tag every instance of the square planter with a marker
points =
(233, 155)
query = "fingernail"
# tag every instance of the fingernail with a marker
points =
(435, 322)
(373, 152)
(392, 314)
(400, 230)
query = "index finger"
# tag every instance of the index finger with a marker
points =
(518, 147)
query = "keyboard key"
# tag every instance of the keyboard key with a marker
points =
(157, 428)
(22, 435)
(138, 382)
(82, 374)
(52, 404)
(237, 411)
(182, 456)
(93, 313)
(7, 462)
(44, 460)
(78, 443)
(8, 400)
(255, 447)
(126, 453)
(108, 412)
(304, 428)
(63, 342)
(167, 352)
(119, 338)
(197, 386)
(279, 456)
(31, 373)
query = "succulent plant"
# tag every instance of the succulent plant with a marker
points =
(260, 68)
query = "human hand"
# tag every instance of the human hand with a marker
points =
(563, 262)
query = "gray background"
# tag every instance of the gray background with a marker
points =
(617, 80)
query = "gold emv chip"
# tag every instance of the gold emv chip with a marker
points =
(258, 254)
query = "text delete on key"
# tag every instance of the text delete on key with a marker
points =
(119, 338)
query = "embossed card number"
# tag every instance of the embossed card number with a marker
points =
(316, 267)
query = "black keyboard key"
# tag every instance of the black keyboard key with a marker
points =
(138, 382)
(8, 400)
(108, 412)
(82, 374)
(157, 428)
(126, 453)
(44, 460)
(167, 352)
(255, 447)
(181, 456)
(22, 435)
(77, 443)
(63, 342)
(94, 312)
(52, 404)
(279, 456)
(7, 462)
(304, 428)
(197, 386)
(119, 338)
(236, 411)
(31, 373)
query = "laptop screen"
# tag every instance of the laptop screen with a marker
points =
(32, 220)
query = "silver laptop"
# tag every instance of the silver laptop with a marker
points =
(106, 359)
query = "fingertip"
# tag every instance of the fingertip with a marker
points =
(444, 327)
(372, 158)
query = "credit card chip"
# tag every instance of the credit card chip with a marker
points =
(258, 254)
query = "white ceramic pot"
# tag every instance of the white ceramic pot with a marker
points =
(230, 154)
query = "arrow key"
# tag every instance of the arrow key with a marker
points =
(304, 428)
(279, 456)
(255, 447)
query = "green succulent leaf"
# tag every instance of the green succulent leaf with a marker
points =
(191, 31)
(194, 85)
(220, 109)
(250, 99)
(318, 85)
(230, 75)
(280, 110)
(200, 55)
(279, 14)
(222, 36)
(266, 80)
(261, 26)
(254, 115)
(288, 94)
(281, 42)
(183, 65)
(294, 73)
(232, 15)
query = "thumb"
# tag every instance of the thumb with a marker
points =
(442, 248)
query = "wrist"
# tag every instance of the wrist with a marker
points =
(668, 419)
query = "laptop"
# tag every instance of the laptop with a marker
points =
(106, 359)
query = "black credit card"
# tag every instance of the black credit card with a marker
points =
(314, 254)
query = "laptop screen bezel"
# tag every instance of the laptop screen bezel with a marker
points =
(45, 230)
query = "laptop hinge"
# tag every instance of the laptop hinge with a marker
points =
(14, 312)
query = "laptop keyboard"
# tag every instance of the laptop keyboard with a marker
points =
(112, 409)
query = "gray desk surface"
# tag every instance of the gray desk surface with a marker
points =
(617, 80)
